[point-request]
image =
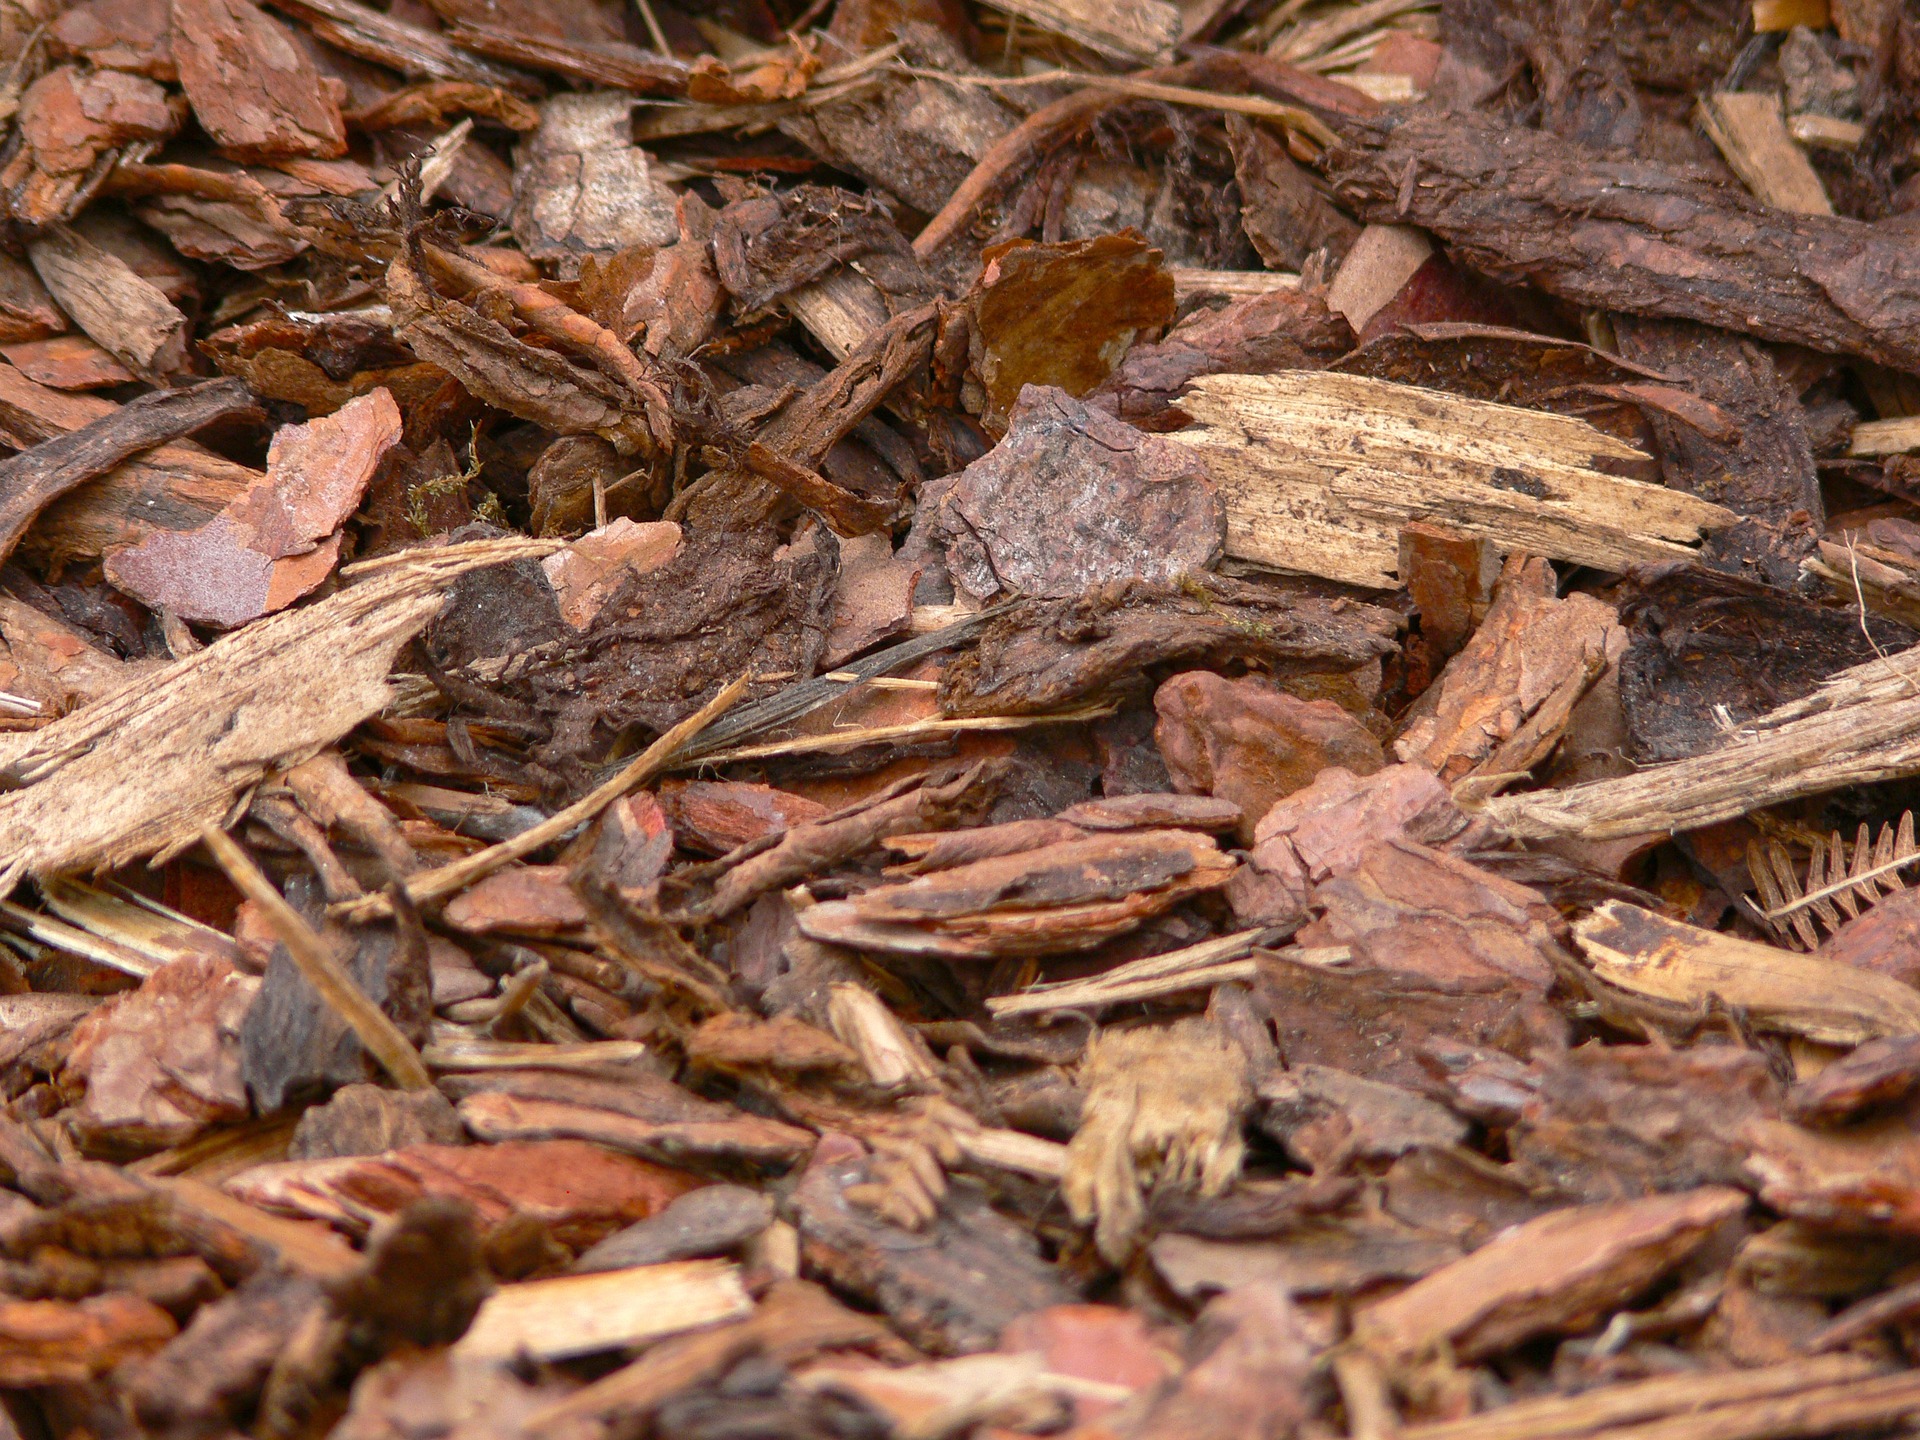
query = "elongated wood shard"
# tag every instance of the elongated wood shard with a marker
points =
(1779, 990)
(1321, 470)
(139, 773)
(1859, 727)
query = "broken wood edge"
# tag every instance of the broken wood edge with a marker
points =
(1861, 726)
(317, 964)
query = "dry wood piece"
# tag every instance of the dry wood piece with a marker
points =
(1802, 994)
(1857, 728)
(253, 89)
(578, 1315)
(1163, 1109)
(41, 475)
(1319, 470)
(1625, 235)
(173, 749)
(1752, 135)
(1638, 1401)
(1128, 30)
(122, 310)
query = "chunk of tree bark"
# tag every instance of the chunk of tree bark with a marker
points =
(70, 122)
(1250, 742)
(253, 89)
(125, 312)
(1249, 335)
(951, 1289)
(582, 186)
(1284, 212)
(1765, 469)
(1040, 514)
(412, 50)
(1045, 654)
(1627, 235)
(1560, 1273)
(1502, 704)
(1060, 314)
(50, 1342)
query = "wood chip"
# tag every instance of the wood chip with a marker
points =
(1319, 471)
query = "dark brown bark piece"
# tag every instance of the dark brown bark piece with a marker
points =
(767, 247)
(1317, 1255)
(1612, 1122)
(1521, 205)
(1047, 654)
(218, 1364)
(1252, 335)
(1371, 1020)
(950, 1289)
(1878, 1073)
(37, 477)
(1559, 1273)
(1284, 212)
(1765, 470)
(1711, 649)
(596, 62)
(294, 1042)
(362, 1119)
(1072, 498)
(253, 89)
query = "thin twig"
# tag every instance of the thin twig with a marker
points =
(322, 971)
(432, 885)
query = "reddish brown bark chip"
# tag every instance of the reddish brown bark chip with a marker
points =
(1250, 742)
(48, 1342)
(162, 1063)
(67, 121)
(1559, 1273)
(281, 538)
(579, 1192)
(252, 87)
